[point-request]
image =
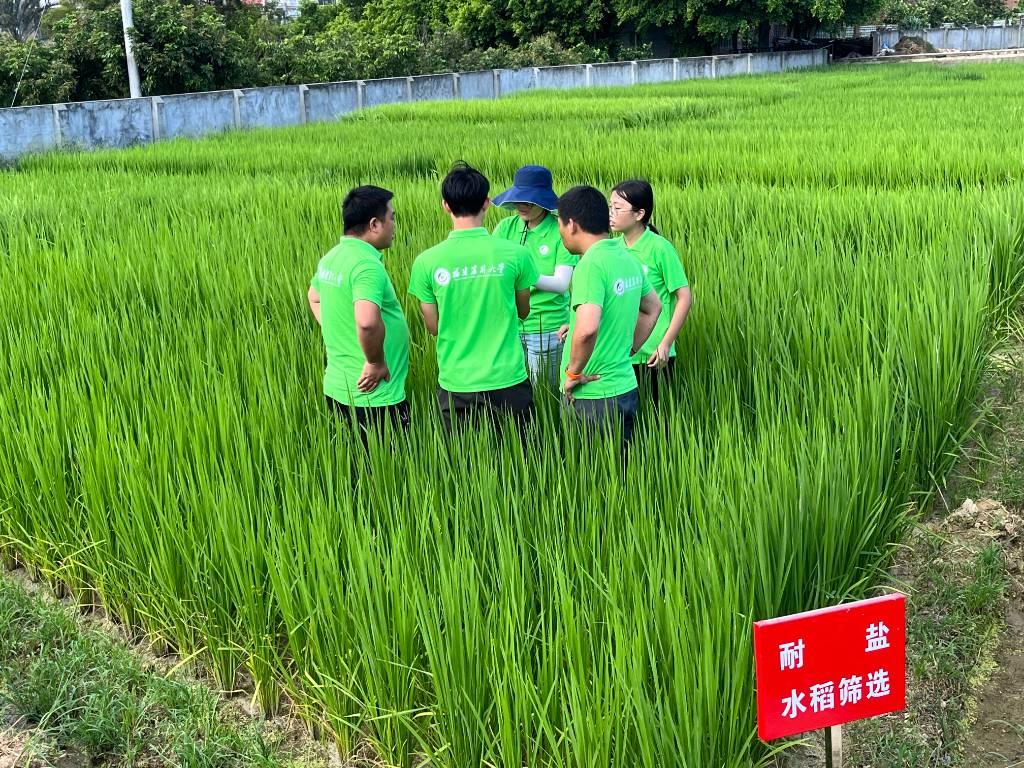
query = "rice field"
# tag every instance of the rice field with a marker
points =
(855, 241)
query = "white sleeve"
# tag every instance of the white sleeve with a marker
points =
(556, 283)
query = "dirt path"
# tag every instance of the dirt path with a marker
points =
(998, 736)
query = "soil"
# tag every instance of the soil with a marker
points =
(997, 738)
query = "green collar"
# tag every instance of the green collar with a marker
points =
(458, 234)
(362, 244)
(604, 245)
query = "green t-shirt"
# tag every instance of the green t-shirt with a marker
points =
(548, 311)
(350, 272)
(609, 276)
(473, 279)
(666, 275)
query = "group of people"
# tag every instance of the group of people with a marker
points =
(549, 298)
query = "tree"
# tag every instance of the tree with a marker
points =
(20, 18)
(182, 47)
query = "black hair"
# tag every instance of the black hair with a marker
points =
(639, 194)
(465, 189)
(587, 207)
(363, 204)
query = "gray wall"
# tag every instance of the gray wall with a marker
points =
(119, 123)
(617, 73)
(125, 122)
(390, 90)
(962, 38)
(26, 129)
(195, 114)
(433, 87)
(478, 85)
(329, 101)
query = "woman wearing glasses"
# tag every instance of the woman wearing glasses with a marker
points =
(630, 212)
(535, 226)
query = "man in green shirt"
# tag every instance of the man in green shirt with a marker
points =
(473, 291)
(614, 309)
(535, 227)
(364, 329)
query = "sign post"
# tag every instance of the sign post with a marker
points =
(820, 669)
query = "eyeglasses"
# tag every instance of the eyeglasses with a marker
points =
(616, 211)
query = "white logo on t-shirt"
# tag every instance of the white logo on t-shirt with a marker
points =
(442, 276)
(619, 287)
(544, 250)
(645, 269)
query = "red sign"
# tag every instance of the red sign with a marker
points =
(831, 666)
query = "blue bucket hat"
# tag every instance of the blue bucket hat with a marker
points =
(532, 184)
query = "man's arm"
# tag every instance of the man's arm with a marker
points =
(430, 317)
(314, 303)
(584, 336)
(650, 308)
(522, 304)
(581, 347)
(370, 331)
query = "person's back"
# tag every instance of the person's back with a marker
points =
(472, 278)
(364, 331)
(350, 272)
(611, 277)
(614, 309)
(473, 291)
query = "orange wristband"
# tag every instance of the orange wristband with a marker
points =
(572, 376)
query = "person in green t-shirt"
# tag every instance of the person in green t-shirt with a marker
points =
(364, 330)
(473, 291)
(614, 309)
(632, 205)
(536, 228)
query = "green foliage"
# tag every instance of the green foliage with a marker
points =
(80, 689)
(462, 599)
(933, 13)
(187, 45)
(184, 46)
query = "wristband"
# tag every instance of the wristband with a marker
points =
(572, 376)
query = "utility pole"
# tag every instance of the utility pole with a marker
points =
(133, 71)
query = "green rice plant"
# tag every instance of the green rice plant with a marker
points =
(469, 600)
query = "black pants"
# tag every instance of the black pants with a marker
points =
(605, 412)
(366, 419)
(651, 380)
(458, 408)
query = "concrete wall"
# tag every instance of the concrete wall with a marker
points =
(515, 80)
(616, 74)
(195, 114)
(118, 123)
(390, 90)
(329, 101)
(25, 130)
(478, 85)
(957, 38)
(695, 69)
(274, 107)
(726, 66)
(126, 122)
(571, 76)
(655, 71)
(433, 87)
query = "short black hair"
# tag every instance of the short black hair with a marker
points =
(465, 189)
(586, 206)
(363, 204)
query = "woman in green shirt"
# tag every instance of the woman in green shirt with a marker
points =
(632, 205)
(536, 227)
